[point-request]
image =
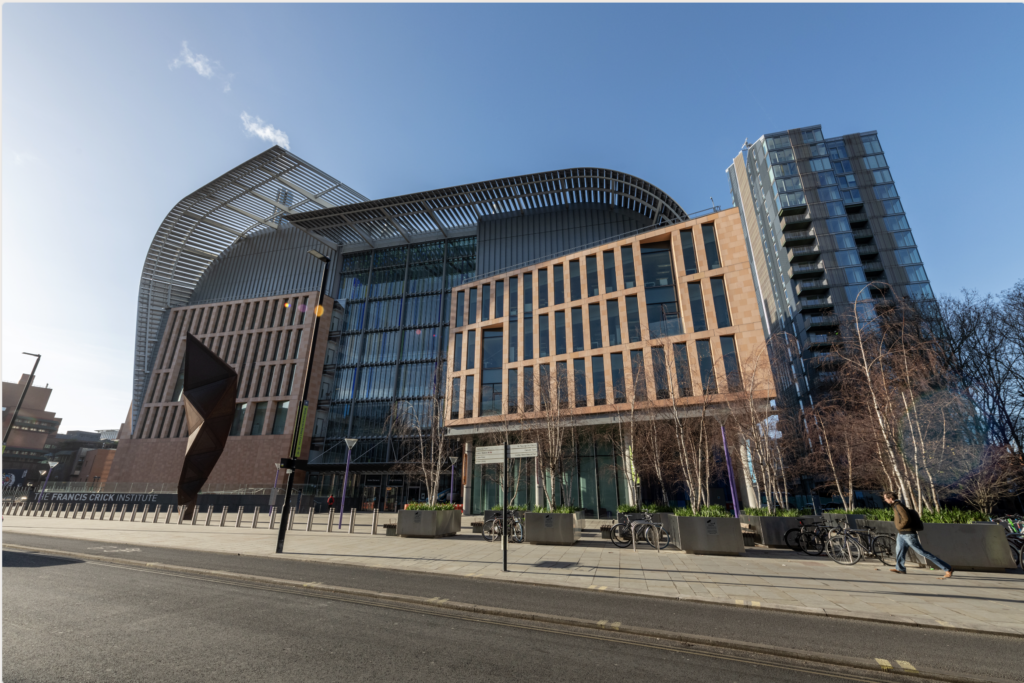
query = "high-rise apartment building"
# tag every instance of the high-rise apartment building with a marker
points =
(822, 219)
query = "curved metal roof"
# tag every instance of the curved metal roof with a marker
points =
(250, 198)
(455, 210)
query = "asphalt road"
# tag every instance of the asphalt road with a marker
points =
(72, 620)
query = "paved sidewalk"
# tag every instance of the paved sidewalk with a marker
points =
(775, 579)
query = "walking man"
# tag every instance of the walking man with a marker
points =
(908, 523)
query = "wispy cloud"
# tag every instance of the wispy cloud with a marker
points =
(203, 65)
(254, 125)
(23, 158)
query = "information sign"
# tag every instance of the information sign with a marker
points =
(523, 450)
(489, 455)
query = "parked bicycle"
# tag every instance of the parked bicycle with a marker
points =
(492, 529)
(809, 538)
(848, 546)
(1014, 528)
(645, 529)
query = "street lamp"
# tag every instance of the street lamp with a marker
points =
(300, 415)
(52, 464)
(349, 445)
(24, 391)
(451, 487)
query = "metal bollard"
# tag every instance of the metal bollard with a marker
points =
(67, 512)
(273, 514)
(255, 516)
(223, 515)
(156, 515)
(36, 508)
(238, 522)
(181, 513)
(170, 510)
(124, 511)
(374, 532)
(291, 519)
(195, 514)
(135, 510)
(309, 522)
(46, 508)
(209, 515)
(330, 521)
(145, 512)
(352, 521)
(55, 508)
(103, 511)
(113, 512)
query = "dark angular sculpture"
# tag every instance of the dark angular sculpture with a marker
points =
(210, 388)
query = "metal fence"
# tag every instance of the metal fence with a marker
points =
(161, 487)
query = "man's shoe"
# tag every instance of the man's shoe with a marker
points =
(947, 575)
(898, 571)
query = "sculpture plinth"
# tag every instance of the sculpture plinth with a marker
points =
(209, 390)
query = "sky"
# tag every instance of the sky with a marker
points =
(113, 113)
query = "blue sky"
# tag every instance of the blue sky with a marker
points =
(108, 122)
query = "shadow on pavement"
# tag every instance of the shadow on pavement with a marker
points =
(12, 559)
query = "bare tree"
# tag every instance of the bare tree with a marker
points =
(420, 426)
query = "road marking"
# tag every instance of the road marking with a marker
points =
(884, 663)
(602, 622)
(740, 602)
(602, 588)
(755, 603)
(906, 665)
(615, 625)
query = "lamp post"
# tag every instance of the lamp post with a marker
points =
(52, 464)
(451, 487)
(300, 415)
(24, 391)
(349, 445)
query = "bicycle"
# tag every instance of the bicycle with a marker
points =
(492, 529)
(1014, 528)
(623, 533)
(848, 546)
(810, 538)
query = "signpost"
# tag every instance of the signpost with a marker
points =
(493, 455)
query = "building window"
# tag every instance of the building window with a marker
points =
(903, 239)
(499, 298)
(597, 371)
(460, 305)
(896, 223)
(490, 378)
(732, 365)
(682, 363)
(179, 386)
(595, 327)
(280, 417)
(614, 329)
(472, 305)
(885, 191)
(689, 253)
(513, 341)
(485, 302)
(528, 294)
(916, 273)
(609, 271)
(870, 143)
(544, 386)
(660, 372)
(710, 246)
(559, 284)
(560, 332)
(618, 378)
(882, 176)
(470, 349)
(542, 288)
(579, 371)
(873, 162)
(575, 291)
(528, 337)
(528, 389)
(721, 302)
(700, 321)
(628, 272)
(577, 329)
(454, 410)
(544, 337)
(837, 150)
(468, 412)
(562, 383)
(706, 364)
(826, 178)
(592, 284)
(847, 258)
(659, 290)
(513, 297)
(257, 419)
(892, 206)
(920, 291)
(513, 391)
(836, 225)
(458, 352)
(236, 424)
(844, 240)
(855, 275)
(636, 363)
(633, 319)
(828, 194)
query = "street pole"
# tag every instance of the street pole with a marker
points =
(24, 391)
(349, 445)
(300, 416)
(732, 482)
(52, 464)
(504, 516)
(451, 486)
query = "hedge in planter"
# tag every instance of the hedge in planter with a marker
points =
(429, 521)
(563, 526)
(704, 535)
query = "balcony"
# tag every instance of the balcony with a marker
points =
(816, 304)
(825, 379)
(796, 221)
(823, 358)
(863, 234)
(814, 322)
(867, 250)
(805, 286)
(791, 203)
(820, 341)
(804, 269)
(857, 218)
(872, 266)
(796, 237)
(853, 202)
(810, 253)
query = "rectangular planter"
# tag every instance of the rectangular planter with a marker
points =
(771, 530)
(553, 528)
(429, 523)
(980, 547)
(706, 535)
